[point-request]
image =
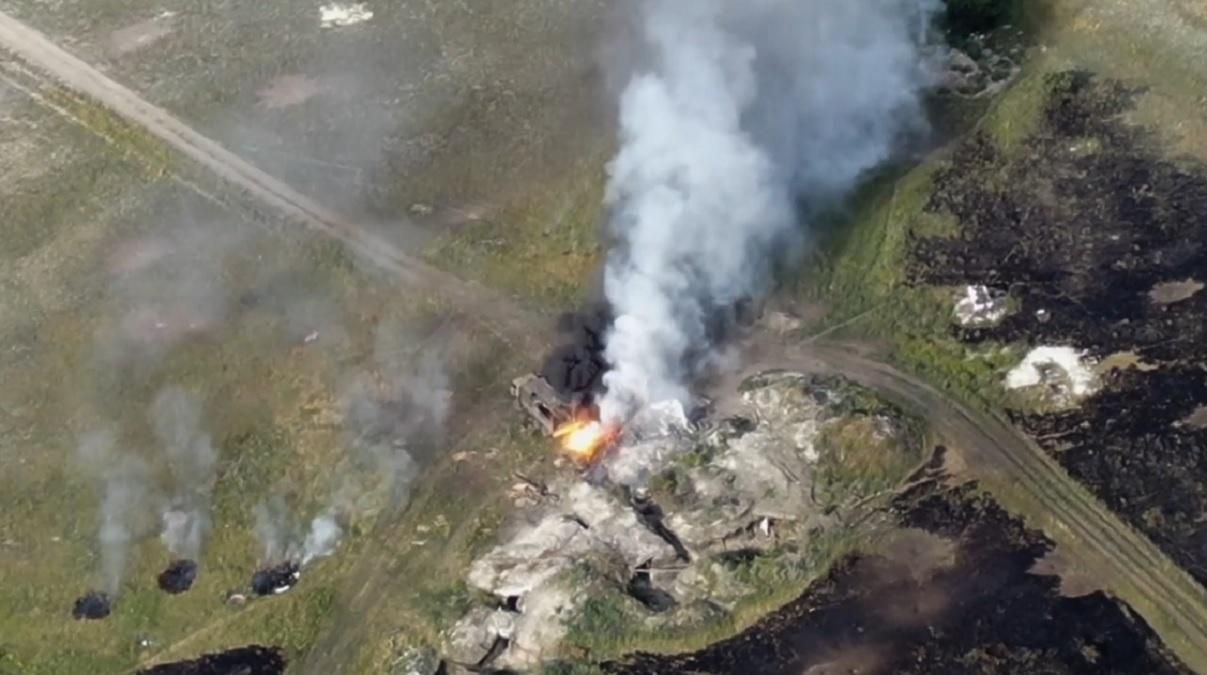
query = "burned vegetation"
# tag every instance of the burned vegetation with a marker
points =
(178, 577)
(250, 660)
(958, 597)
(1101, 242)
(92, 605)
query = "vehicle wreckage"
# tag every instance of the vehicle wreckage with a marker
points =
(545, 406)
(574, 420)
(570, 419)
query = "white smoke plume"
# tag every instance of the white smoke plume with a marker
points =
(166, 288)
(191, 458)
(275, 528)
(748, 112)
(284, 539)
(126, 500)
(395, 413)
(324, 535)
(393, 416)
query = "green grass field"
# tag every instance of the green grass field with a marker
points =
(270, 405)
(74, 195)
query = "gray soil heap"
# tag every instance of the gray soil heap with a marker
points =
(684, 523)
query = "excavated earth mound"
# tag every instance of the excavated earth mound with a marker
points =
(684, 524)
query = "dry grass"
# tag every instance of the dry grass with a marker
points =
(544, 245)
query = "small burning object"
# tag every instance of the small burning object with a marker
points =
(92, 605)
(585, 439)
(277, 579)
(178, 577)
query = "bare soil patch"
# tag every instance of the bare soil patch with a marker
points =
(287, 91)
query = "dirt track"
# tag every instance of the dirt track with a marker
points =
(496, 313)
(1127, 564)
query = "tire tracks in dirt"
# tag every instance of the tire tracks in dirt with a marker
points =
(1010, 465)
(1030, 483)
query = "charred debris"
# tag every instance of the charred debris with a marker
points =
(92, 605)
(178, 577)
(276, 579)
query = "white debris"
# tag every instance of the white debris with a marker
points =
(803, 436)
(471, 638)
(654, 437)
(748, 488)
(532, 558)
(1038, 365)
(338, 14)
(614, 525)
(980, 305)
(541, 627)
(285, 586)
(636, 463)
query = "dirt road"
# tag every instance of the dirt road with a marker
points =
(1019, 473)
(496, 313)
(1027, 481)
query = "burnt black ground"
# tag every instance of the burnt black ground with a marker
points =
(985, 613)
(178, 577)
(92, 605)
(1082, 221)
(250, 660)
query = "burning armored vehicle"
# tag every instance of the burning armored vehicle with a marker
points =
(546, 407)
(571, 419)
(574, 420)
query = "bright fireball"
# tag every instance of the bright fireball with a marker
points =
(583, 438)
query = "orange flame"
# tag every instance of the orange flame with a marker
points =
(583, 439)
